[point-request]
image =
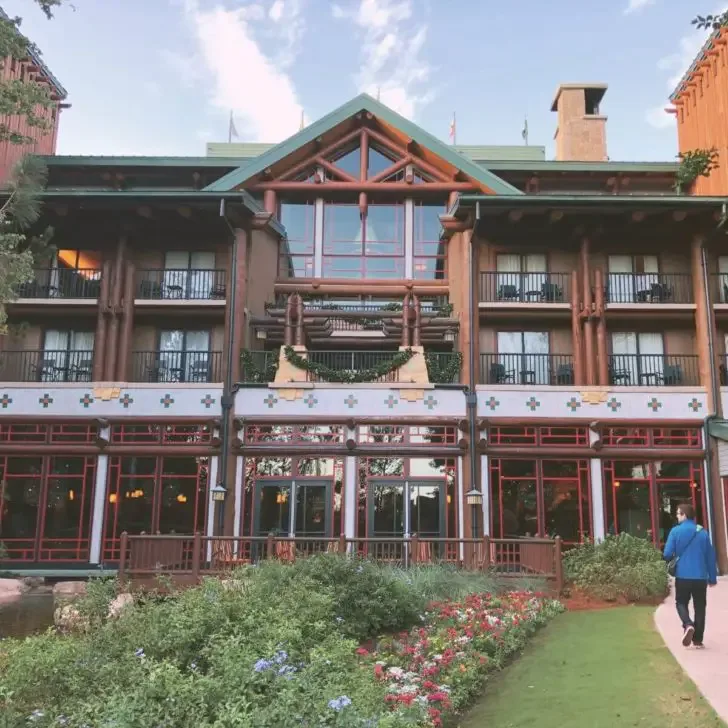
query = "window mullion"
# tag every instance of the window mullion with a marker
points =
(409, 227)
(318, 238)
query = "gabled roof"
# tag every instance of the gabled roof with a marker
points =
(364, 102)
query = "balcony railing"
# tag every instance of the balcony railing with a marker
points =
(537, 287)
(720, 287)
(658, 288)
(48, 365)
(443, 367)
(259, 367)
(181, 284)
(177, 366)
(654, 369)
(352, 362)
(543, 369)
(62, 283)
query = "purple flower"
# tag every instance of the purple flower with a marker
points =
(139, 652)
(262, 665)
(339, 703)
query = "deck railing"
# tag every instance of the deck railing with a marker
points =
(177, 366)
(543, 369)
(181, 284)
(353, 362)
(536, 287)
(62, 283)
(633, 370)
(649, 288)
(46, 365)
(195, 556)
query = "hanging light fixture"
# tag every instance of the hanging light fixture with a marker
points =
(71, 494)
(218, 493)
(113, 498)
(181, 498)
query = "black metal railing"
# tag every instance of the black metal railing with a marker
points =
(352, 363)
(181, 284)
(49, 365)
(259, 366)
(537, 287)
(541, 369)
(438, 306)
(62, 283)
(632, 370)
(177, 366)
(649, 288)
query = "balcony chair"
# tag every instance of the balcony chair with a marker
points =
(218, 291)
(499, 374)
(508, 292)
(46, 371)
(200, 371)
(161, 372)
(672, 375)
(660, 292)
(619, 376)
(565, 374)
(551, 293)
(150, 289)
(82, 370)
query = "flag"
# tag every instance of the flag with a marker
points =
(453, 129)
(524, 133)
(232, 131)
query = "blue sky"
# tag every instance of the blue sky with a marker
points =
(161, 76)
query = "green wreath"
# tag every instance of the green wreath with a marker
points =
(348, 376)
(443, 373)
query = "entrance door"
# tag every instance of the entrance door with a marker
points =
(293, 508)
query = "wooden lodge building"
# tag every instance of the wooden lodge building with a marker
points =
(348, 332)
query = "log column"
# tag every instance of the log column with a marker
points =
(577, 343)
(102, 313)
(112, 342)
(587, 314)
(239, 274)
(602, 355)
(127, 325)
(703, 321)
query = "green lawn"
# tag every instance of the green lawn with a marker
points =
(594, 669)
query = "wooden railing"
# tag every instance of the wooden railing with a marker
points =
(195, 556)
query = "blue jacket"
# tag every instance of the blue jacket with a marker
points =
(697, 560)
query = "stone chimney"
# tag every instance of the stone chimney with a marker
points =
(581, 134)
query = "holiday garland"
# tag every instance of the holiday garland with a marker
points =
(253, 373)
(348, 376)
(443, 373)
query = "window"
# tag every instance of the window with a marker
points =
(369, 248)
(631, 278)
(67, 356)
(73, 274)
(723, 275)
(523, 357)
(184, 356)
(430, 253)
(188, 275)
(297, 250)
(638, 359)
(521, 277)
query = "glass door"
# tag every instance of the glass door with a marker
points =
(293, 508)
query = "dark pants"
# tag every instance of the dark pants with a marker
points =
(697, 589)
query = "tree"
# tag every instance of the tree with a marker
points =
(711, 22)
(26, 100)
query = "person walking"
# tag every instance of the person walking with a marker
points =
(696, 569)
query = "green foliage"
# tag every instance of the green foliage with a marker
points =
(252, 372)
(693, 164)
(443, 370)
(710, 22)
(348, 376)
(620, 567)
(100, 592)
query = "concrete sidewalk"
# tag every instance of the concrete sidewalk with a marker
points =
(707, 668)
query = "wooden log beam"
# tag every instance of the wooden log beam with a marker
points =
(440, 187)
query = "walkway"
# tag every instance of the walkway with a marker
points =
(707, 668)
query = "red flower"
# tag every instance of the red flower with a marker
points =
(362, 651)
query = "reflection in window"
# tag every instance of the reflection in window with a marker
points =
(369, 248)
(430, 253)
(297, 249)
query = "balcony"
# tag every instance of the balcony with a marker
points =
(543, 369)
(525, 288)
(64, 283)
(719, 289)
(171, 367)
(648, 288)
(259, 367)
(166, 284)
(633, 370)
(61, 365)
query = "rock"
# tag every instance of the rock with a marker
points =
(34, 582)
(68, 619)
(66, 591)
(119, 604)
(11, 589)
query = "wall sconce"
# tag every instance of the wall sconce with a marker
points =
(218, 493)
(113, 498)
(261, 334)
(693, 484)
(282, 498)
(71, 495)
(450, 335)
(616, 484)
(181, 498)
(474, 497)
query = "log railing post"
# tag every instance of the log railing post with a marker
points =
(414, 547)
(196, 555)
(486, 554)
(558, 566)
(342, 543)
(123, 545)
(270, 546)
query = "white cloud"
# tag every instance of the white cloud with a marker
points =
(635, 5)
(659, 118)
(243, 77)
(391, 57)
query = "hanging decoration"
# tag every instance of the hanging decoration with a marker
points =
(443, 369)
(348, 376)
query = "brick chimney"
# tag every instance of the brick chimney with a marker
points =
(581, 134)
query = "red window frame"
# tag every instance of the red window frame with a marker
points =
(423, 245)
(319, 434)
(386, 435)
(161, 434)
(658, 437)
(39, 433)
(520, 435)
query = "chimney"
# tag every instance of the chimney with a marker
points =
(581, 134)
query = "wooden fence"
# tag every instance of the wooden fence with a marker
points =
(195, 556)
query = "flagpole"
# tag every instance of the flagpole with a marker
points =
(454, 130)
(230, 128)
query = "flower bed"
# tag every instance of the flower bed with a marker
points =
(437, 668)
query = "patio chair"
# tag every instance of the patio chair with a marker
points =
(672, 375)
(551, 293)
(150, 289)
(82, 370)
(508, 292)
(218, 291)
(660, 292)
(200, 371)
(45, 370)
(565, 374)
(499, 374)
(619, 376)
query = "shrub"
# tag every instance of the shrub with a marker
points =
(620, 566)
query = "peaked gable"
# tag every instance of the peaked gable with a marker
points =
(486, 180)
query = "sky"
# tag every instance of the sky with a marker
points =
(161, 77)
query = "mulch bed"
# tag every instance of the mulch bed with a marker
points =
(577, 601)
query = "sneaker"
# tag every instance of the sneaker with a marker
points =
(688, 635)
(698, 645)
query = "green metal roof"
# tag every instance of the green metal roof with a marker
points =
(137, 161)
(364, 102)
(486, 153)
(608, 167)
(248, 150)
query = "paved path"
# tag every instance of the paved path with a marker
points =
(707, 668)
